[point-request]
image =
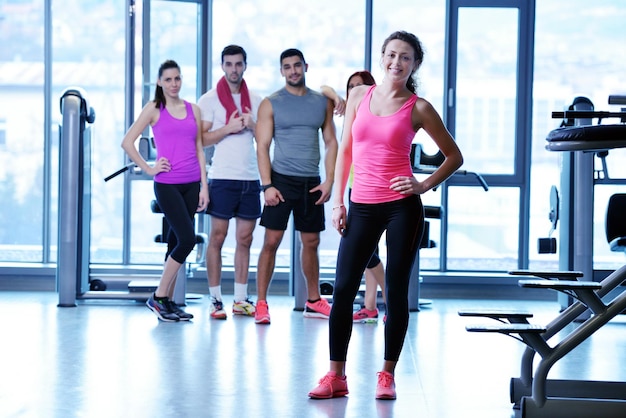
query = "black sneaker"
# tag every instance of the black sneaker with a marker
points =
(161, 309)
(182, 315)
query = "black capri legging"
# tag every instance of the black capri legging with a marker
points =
(179, 203)
(374, 259)
(404, 222)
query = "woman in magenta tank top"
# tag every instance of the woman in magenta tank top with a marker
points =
(180, 182)
(380, 124)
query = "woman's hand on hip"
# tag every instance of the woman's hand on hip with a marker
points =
(162, 165)
(405, 185)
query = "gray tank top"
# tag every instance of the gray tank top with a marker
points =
(297, 123)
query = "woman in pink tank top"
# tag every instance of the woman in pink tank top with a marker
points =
(180, 182)
(380, 124)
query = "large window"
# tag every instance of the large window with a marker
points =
(426, 19)
(333, 53)
(22, 128)
(90, 53)
(576, 54)
(173, 28)
(50, 45)
(332, 42)
(487, 79)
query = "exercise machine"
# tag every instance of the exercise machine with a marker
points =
(533, 393)
(73, 278)
(72, 273)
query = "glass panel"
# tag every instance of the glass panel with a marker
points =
(543, 175)
(430, 257)
(570, 63)
(173, 35)
(89, 53)
(21, 131)
(486, 89)
(335, 52)
(425, 19)
(483, 229)
(145, 225)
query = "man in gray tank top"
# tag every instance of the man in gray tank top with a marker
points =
(293, 117)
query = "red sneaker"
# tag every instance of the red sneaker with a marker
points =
(365, 316)
(386, 387)
(330, 386)
(319, 309)
(262, 313)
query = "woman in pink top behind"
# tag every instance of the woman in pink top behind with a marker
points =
(180, 181)
(380, 124)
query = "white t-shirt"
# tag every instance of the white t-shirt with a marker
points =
(234, 157)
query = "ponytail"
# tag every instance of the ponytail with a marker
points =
(159, 96)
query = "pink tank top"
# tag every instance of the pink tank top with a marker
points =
(175, 139)
(381, 146)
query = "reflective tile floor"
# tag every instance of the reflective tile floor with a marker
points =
(108, 358)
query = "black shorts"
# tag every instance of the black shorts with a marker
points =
(307, 216)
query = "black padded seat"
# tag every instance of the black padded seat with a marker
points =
(433, 212)
(615, 222)
(154, 207)
(559, 275)
(578, 138)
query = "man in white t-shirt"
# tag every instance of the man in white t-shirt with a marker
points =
(228, 121)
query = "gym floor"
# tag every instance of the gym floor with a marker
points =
(108, 358)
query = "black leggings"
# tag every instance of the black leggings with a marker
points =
(375, 259)
(404, 222)
(179, 203)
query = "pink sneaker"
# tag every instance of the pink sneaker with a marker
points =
(330, 386)
(365, 316)
(262, 313)
(319, 309)
(386, 387)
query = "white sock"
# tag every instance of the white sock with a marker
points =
(241, 291)
(216, 292)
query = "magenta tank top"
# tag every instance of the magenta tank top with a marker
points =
(381, 146)
(175, 139)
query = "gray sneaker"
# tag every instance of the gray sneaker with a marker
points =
(161, 308)
(182, 315)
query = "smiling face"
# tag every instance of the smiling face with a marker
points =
(293, 69)
(398, 60)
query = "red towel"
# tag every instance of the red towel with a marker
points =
(226, 97)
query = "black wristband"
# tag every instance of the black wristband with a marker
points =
(267, 186)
